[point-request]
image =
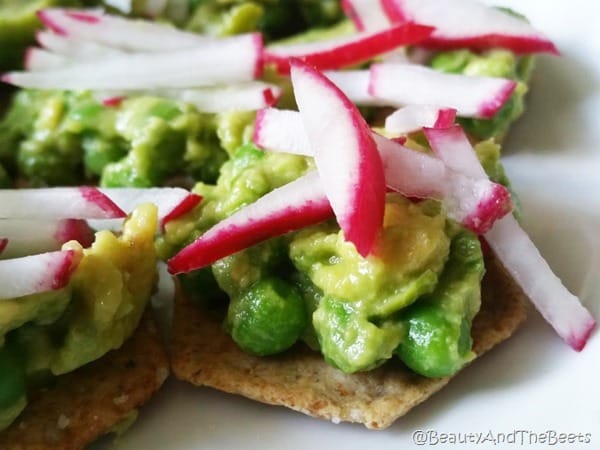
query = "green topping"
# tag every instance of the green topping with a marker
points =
(437, 339)
(274, 18)
(267, 318)
(349, 340)
(65, 138)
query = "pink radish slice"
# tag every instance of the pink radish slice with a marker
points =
(293, 206)
(39, 59)
(346, 155)
(117, 32)
(3, 244)
(74, 48)
(57, 203)
(471, 96)
(346, 51)
(37, 273)
(230, 60)
(171, 202)
(355, 85)
(414, 117)
(281, 130)
(517, 252)
(367, 15)
(248, 96)
(113, 101)
(27, 237)
(469, 23)
(474, 202)
(236, 97)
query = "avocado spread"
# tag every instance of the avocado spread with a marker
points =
(49, 334)
(414, 299)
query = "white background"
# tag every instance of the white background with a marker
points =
(533, 382)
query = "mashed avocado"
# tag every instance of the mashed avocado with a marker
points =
(313, 286)
(56, 332)
(66, 138)
(274, 18)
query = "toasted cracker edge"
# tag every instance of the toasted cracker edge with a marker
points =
(204, 355)
(87, 403)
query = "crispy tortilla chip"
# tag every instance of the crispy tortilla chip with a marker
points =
(89, 402)
(204, 355)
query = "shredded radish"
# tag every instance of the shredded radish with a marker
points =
(39, 59)
(476, 203)
(171, 202)
(37, 273)
(414, 117)
(74, 48)
(345, 155)
(230, 60)
(469, 23)
(248, 96)
(293, 206)
(517, 252)
(367, 15)
(346, 51)
(118, 32)
(409, 84)
(355, 85)
(27, 237)
(83, 202)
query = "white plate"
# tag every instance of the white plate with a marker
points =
(532, 387)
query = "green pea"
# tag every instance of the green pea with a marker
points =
(12, 378)
(268, 318)
(433, 345)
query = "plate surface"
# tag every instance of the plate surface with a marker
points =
(531, 388)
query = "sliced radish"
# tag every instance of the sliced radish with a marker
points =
(27, 237)
(355, 85)
(346, 51)
(112, 100)
(235, 97)
(118, 32)
(39, 59)
(74, 48)
(517, 252)
(281, 131)
(414, 117)
(171, 202)
(293, 206)
(230, 60)
(469, 23)
(346, 155)
(367, 15)
(37, 273)
(57, 203)
(409, 84)
(476, 203)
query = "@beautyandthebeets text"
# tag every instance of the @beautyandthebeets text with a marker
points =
(515, 437)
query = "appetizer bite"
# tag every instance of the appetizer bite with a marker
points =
(78, 354)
